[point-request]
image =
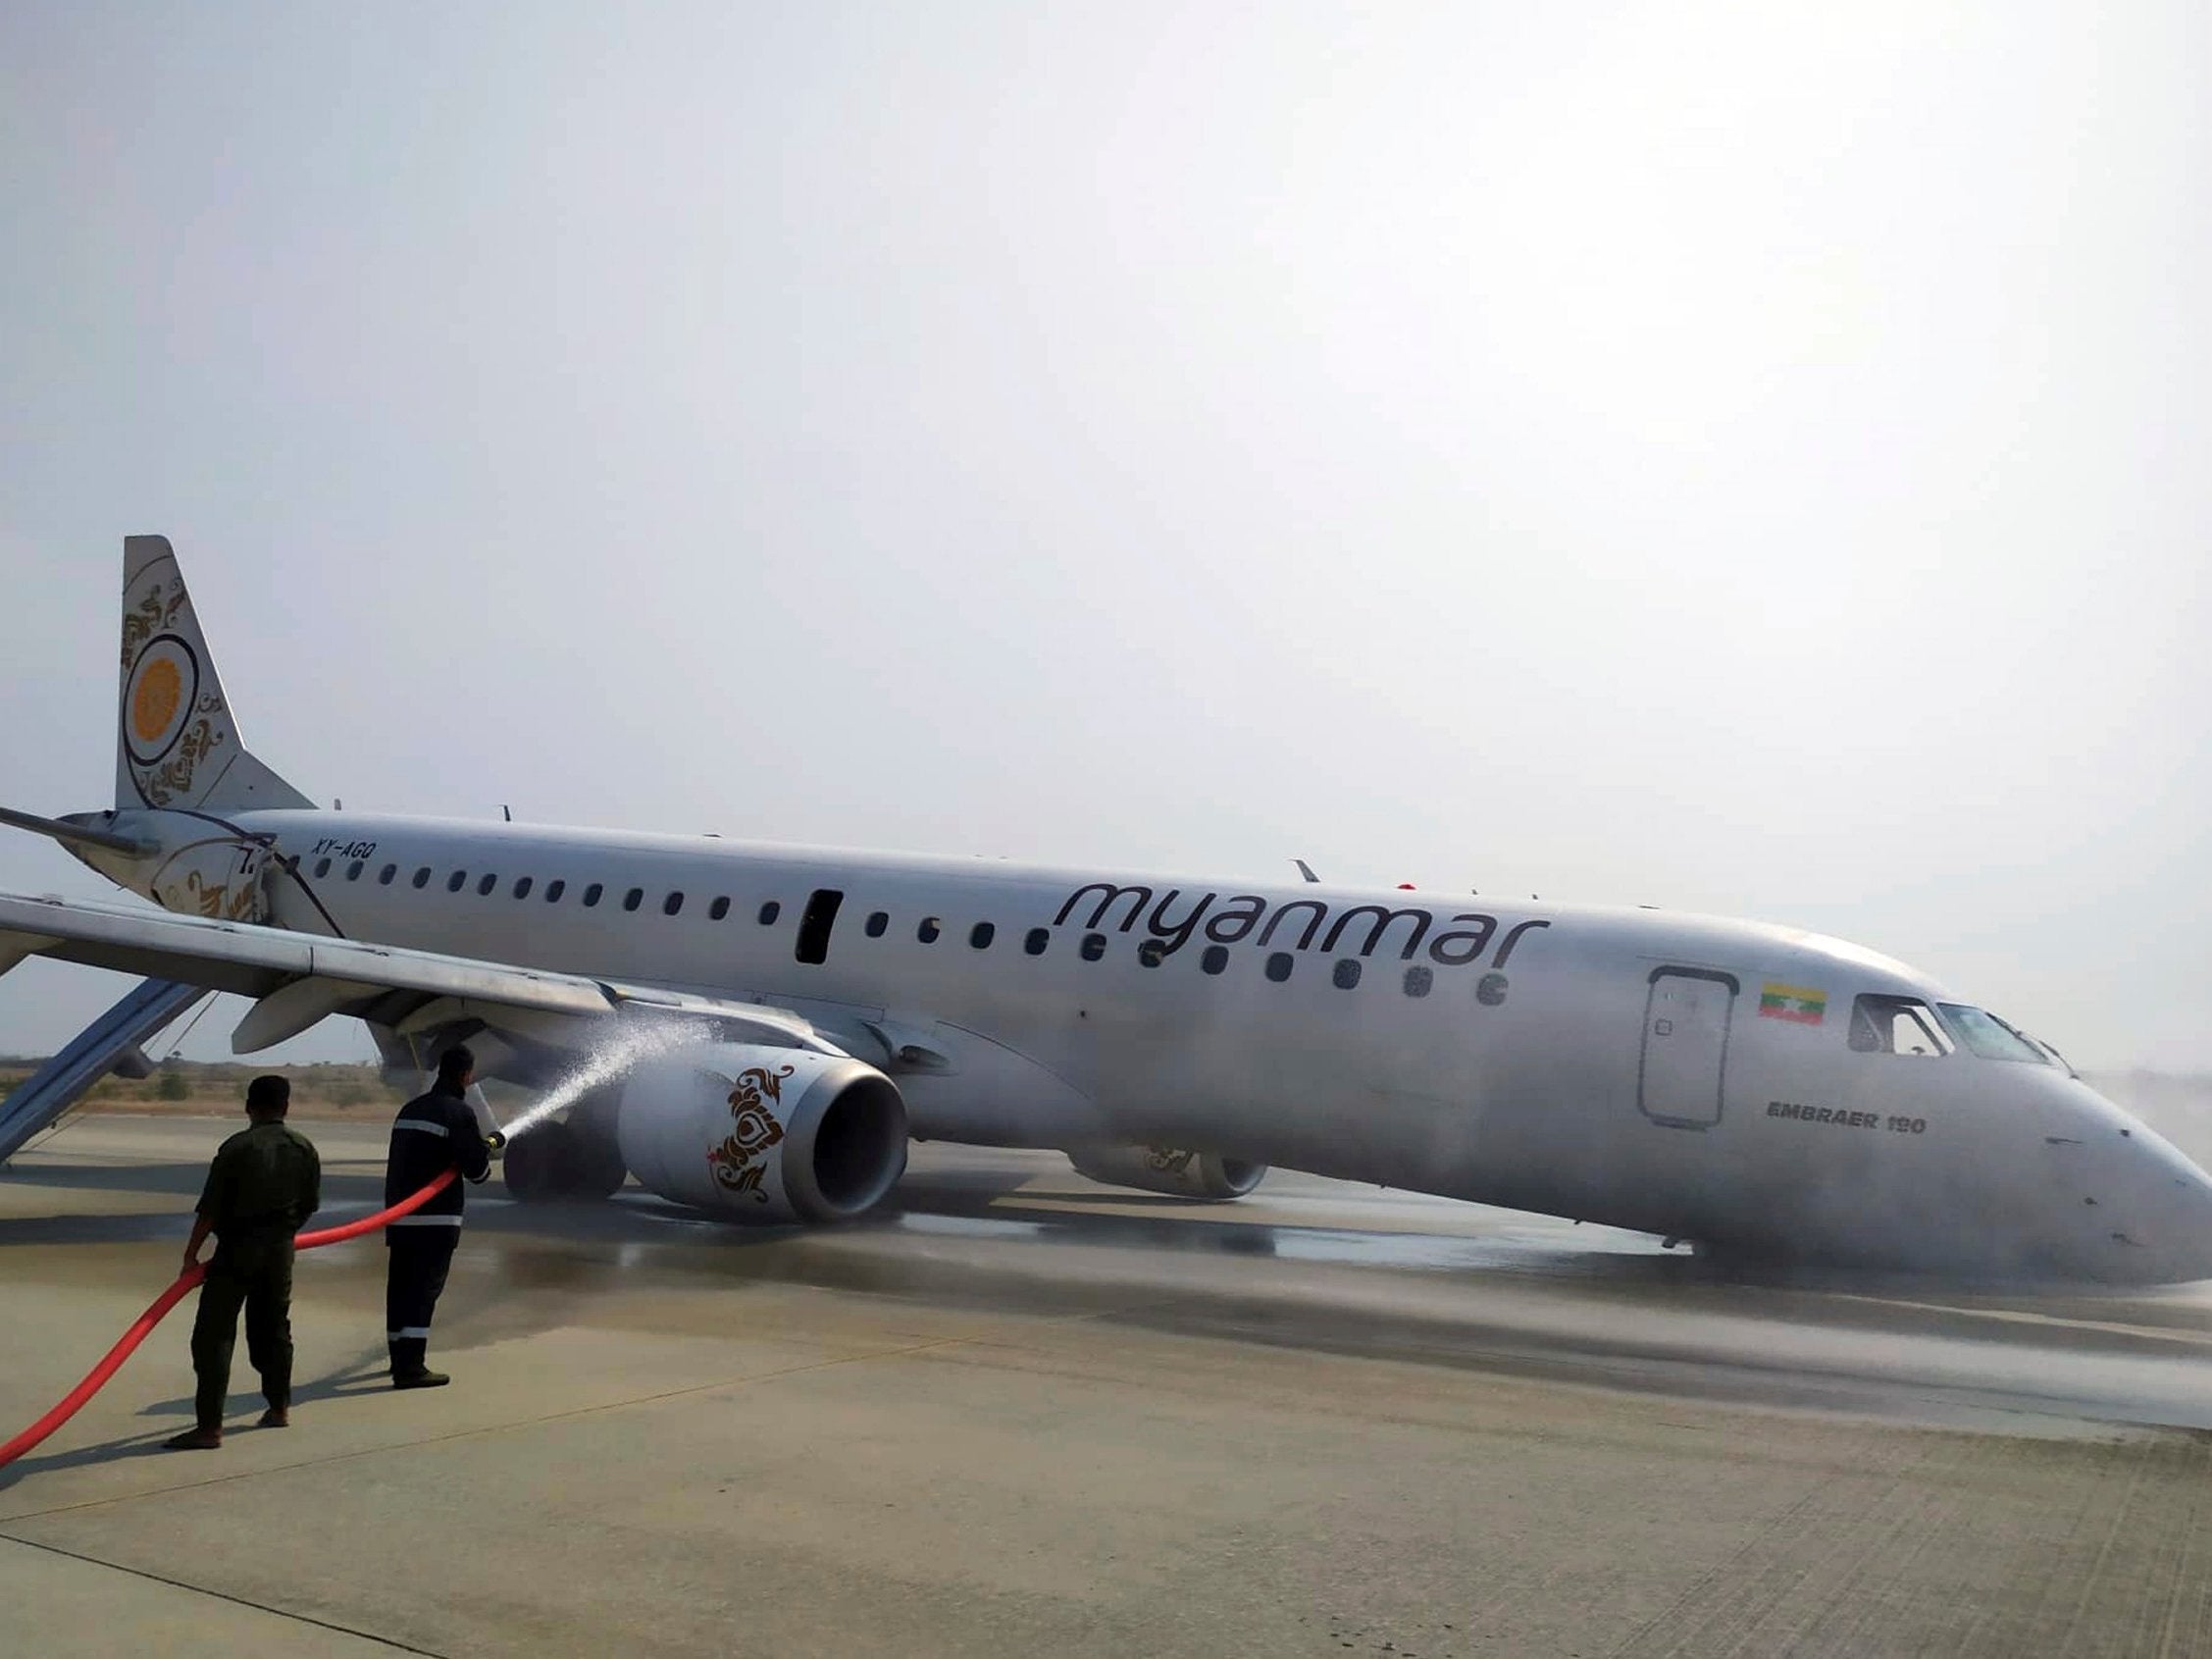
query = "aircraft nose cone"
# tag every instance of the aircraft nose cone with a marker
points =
(2159, 1221)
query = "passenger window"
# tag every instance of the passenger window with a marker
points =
(980, 935)
(523, 885)
(554, 889)
(718, 909)
(1278, 966)
(1345, 974)
(355, 869)
(321, 868)
(1151, 952)
(672, 904)
(1990, 1037)
(928, 930)
(1216, 959)
(422, 876)
(1035, 941)
(1898, 1025)
(1420, 981)
(1094, 947)
(484, 888)
(633, 899)
(592, 894)
(878, 920)
(769, 913)
(456, 881)
(384, 875)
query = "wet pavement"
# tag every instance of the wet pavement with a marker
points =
(1018, 1413)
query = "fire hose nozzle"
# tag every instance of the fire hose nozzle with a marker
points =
(496, 1140)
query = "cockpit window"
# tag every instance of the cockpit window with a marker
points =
(1898, 1025)
(2058, 1060)
(1990, 1037)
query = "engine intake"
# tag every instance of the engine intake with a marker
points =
(763, 1134)
(1168, 1169)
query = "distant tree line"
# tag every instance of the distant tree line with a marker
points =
(221, 1083)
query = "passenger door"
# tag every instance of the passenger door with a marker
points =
(1685, 1056)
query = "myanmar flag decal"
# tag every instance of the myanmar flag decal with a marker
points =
(1793, 1002)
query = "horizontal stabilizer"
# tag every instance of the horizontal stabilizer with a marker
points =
(109, 1044)
(77, 834)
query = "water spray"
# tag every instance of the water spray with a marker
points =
(644, 1040)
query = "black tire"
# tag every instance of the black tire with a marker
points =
(594, 1165)
(538, 1163)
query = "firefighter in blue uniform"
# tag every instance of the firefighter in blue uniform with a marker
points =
(432, 1133)
(264, 1183)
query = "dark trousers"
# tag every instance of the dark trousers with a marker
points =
(258, 1278)
(414, 1278)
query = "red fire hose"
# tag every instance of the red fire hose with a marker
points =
(94, 1379)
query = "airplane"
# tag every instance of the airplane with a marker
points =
(764, 1027)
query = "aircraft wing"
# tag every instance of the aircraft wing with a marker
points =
(297, 980)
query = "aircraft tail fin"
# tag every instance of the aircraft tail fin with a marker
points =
(177, 744)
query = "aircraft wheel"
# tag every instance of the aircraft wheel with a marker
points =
(594, 1166)
(538, 1163)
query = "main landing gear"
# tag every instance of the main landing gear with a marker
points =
(554, 1161)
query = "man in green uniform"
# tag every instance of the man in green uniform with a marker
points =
(264, 1183)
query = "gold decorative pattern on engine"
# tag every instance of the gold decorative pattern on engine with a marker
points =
(739, 1164)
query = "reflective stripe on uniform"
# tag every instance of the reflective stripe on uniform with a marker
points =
(424, 1221)
(418, 1123)
(410, 1333)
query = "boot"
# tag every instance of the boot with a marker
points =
(202, 1439)
(409, 1367)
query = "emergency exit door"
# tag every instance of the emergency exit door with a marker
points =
(1686, 1060)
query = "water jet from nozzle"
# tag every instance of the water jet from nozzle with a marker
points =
(610, 1060)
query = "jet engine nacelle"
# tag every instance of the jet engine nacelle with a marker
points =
(763, 1134)
(1168, 1169)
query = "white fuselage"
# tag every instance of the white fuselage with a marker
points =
(1608, 1064)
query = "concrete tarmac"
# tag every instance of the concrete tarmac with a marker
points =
(1021, 1414)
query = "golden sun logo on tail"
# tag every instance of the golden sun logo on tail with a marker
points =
(159, 694)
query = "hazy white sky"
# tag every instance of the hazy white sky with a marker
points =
(1740, 457)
